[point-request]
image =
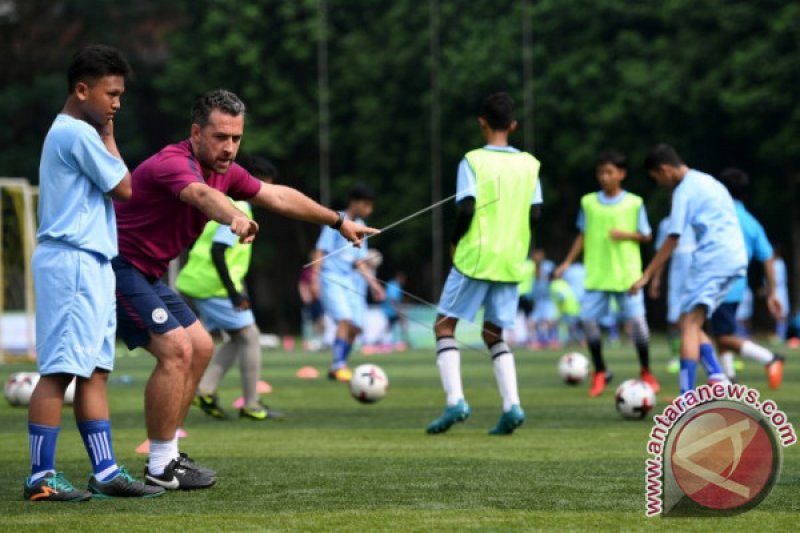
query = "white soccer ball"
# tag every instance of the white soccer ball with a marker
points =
(19, 388)
(369, 383)
(573, 367)
(634, 399)
(69, 394)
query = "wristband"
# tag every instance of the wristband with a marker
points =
(339, 221)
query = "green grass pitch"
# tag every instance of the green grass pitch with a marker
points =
(337, 465)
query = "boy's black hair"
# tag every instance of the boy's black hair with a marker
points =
(220, 99)
(361, 191)
(95, 61)
(258, 166)
(662, 154)
(613, 157)
(736, 181)
(498, 111)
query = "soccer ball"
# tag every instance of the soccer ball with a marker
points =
(369, 383)
(634, 399)
(573, 368)
(19, 388)
(69, 394)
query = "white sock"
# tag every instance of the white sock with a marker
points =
(728, 364)
(448, 359)
(754, 352)
(39, 475)
(161, 453)
(505, 372)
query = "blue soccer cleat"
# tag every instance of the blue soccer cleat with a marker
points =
(511, 420)
(452, 414)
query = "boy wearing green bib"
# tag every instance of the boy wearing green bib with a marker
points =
(612, 224)
(498, 195)
(214, 279)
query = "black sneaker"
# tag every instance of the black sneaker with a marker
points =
(188, 462)
(123, 486)
(177, 476)
(54, 488)
(209, 403)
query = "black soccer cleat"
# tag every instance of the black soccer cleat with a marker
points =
(123, 486)
(178, 476)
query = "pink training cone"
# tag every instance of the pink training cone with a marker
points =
(144, 448)
(238, 403)
(262, 387)
(308, 372)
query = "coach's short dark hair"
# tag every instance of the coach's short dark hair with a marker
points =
(258, 166)
(662, 154)
(613, 157)
(736, 181)
(93, 62)
(361, 191)
(219, 99)
(498, 111)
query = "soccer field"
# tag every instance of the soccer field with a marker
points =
(337, 465)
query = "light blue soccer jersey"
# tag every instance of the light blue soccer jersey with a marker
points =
(344, 254)
(643, 225)
(75, 173)
(702, 205)
(755, 242)
(466, 182)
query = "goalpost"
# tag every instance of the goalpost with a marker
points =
(17, 241)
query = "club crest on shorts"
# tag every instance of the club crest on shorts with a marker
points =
(159, 315)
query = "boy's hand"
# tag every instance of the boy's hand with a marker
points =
(558, 272)
(639, 285)
(618, 234)
(775, 306)
(355, 233)
(654, 290)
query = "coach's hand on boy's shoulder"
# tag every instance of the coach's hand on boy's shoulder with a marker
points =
(244, 228)
(355, 232)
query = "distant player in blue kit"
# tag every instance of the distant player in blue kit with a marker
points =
(80, 171)
(498, 196)
(782, 292)
(702, 205)
(342, 296)
(723, 321)
(679, 264)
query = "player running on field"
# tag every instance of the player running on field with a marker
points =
(177, 191)
(498, 196)
(343, 280)
(612, 224)
(80, 171)
(723, 321)
(702, 205)
(214, 278)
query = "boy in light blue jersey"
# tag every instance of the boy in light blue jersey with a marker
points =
(334, 272)
(679, 264)
(702, 205)
(80, 171)
(782, 292)
(498, 196)
(544, 317)
(724, 319)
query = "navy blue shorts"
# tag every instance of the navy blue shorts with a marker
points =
(723, 320)
(145, 304)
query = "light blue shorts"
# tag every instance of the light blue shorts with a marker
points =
(76, 319)
(678, 273)
(342, 300)
(219, 313)
(544, 310)
(595, 305)
(706, 290)
(462, 297)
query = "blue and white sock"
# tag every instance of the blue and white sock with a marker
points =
(96, 436)
(687, 375)
(341, 351)
(42, 443)
(710, 362)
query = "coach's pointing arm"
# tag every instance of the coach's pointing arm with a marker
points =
(292, 203)
(216, 206)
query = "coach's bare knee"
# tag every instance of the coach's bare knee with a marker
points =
(174, 352)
